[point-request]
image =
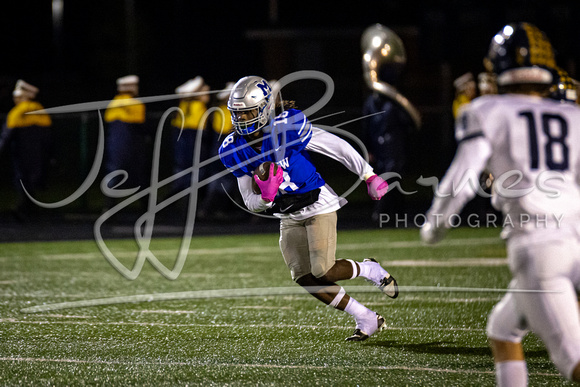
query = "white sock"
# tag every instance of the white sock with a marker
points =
(513, 373)
(357, 309)
(365, 269)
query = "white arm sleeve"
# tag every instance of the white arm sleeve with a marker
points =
(252, 201)
(461, 181)
(336, 148)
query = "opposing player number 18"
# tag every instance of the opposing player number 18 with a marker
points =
(554, 140)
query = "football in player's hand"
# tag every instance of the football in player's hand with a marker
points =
(263, 172)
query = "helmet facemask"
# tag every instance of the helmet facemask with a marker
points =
(248, 121)
(251, 104)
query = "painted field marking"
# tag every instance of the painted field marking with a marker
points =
(256, 292)
(248, 365)
(453, 262)
(251, 292)
(260, 307)
(276, 250)
(228, 326)
(165, 311)
(440, 300)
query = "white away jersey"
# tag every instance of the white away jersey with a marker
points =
(531, 146)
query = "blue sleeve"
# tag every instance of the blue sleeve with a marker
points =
(292, 130)
(230, 158)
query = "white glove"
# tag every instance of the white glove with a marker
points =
(431, 234)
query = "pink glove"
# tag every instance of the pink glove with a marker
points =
(376, 187)
(269, 187)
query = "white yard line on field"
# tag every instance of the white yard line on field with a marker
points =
(251, 292)
(275, 250)
(247, 365)
(228, 326)
(165, 311)
(254, 292)
(173, 252)
(65, 316)
(259, 307)
(452, 262)
(441, 300)
(414, 244)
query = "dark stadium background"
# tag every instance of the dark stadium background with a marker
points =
(77, 57)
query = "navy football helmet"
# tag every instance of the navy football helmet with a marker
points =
(520, 53)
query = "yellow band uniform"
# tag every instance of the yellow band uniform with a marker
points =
(17, 117)
(193, 111)
(125, 108)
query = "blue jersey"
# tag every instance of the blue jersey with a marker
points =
(284, 142)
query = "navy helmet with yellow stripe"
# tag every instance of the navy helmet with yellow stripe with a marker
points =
(520, 53)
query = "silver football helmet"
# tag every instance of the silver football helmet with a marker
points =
(251, 104)
(384, 58)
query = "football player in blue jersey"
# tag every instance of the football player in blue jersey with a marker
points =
(299, 196)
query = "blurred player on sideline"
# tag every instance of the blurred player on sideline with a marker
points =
(29, 137)
(184, 129)
(125, 143)
(215, 204)
(486, 83)
(466, 89)
(465, 92)
(299, 196)
(529, 142)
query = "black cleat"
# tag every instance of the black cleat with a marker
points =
(359, 335)
(389, 287)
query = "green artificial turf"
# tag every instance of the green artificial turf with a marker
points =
(200, 330)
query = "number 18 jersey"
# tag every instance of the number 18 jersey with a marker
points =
(535, 154)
